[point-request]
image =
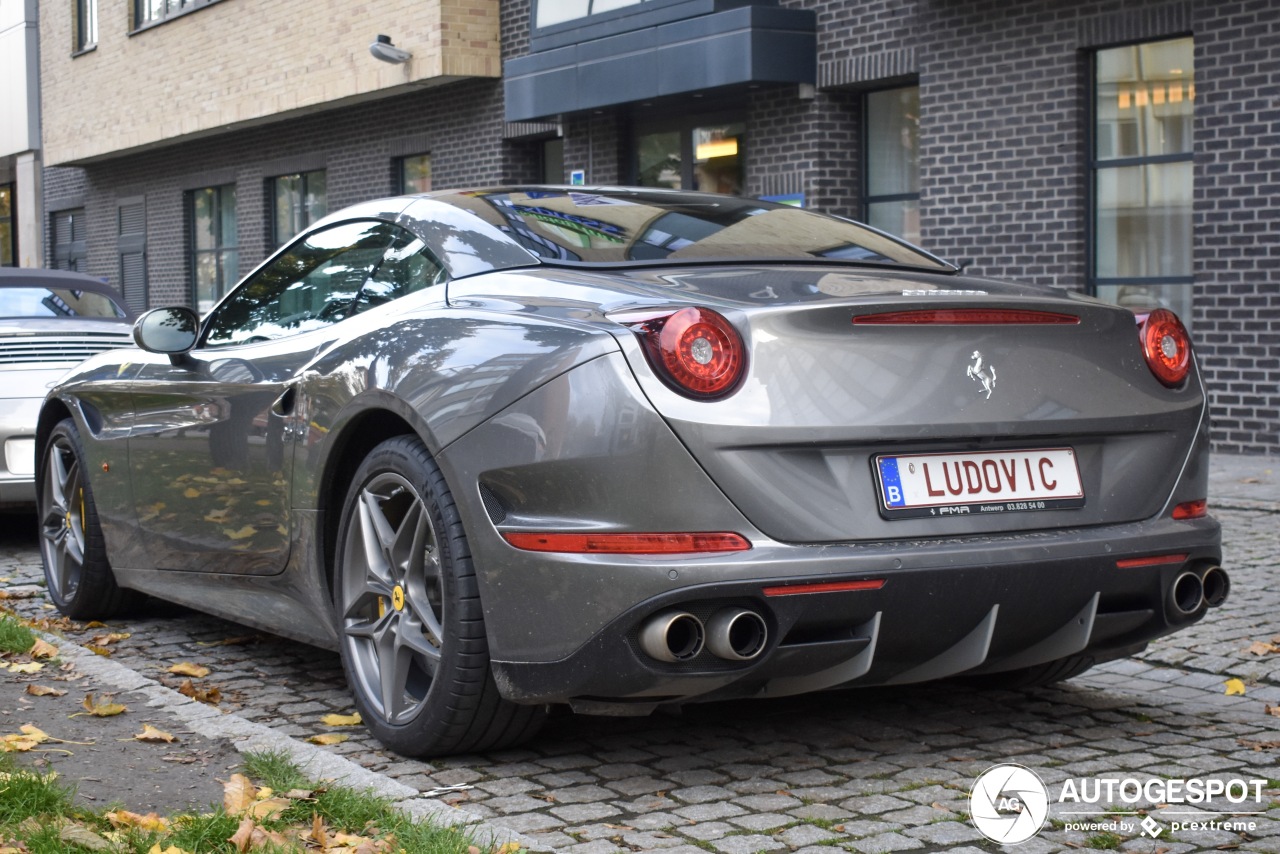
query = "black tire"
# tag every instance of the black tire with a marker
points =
(399, 598)
(79, 577)
(1037, 675)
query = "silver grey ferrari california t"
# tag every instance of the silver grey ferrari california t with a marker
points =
(625, 448)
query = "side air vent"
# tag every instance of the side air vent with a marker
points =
(493, 506)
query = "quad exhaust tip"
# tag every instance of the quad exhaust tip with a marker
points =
(736, 634)
(733, 634)
(1187, 593)
(1217, 585)
(672, 636)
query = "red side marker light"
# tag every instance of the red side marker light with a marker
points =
(1191, 509)
(628, 544)
(824, 587)
(1155, 560)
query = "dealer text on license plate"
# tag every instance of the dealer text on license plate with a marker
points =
(914, 485)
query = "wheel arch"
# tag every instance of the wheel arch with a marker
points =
(54, 412)
(358, 436)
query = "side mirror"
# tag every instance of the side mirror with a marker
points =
(171, 331)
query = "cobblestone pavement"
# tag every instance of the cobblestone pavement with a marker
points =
(868, 771)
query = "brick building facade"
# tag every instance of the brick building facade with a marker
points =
(1002, 115)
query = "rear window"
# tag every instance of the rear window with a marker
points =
(56, 302)
(611, 226)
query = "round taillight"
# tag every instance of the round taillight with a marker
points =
(695, 350)
(1166, 345)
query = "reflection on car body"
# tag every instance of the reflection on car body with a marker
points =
(625, 448)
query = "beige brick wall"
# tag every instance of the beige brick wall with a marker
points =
(236, 62)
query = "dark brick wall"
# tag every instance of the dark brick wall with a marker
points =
(1237, 219)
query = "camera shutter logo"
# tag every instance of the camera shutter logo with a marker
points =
(1009, 804)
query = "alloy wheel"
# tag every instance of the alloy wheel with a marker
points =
(392, 597)
(62, 519)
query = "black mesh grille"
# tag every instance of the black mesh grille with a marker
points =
(492, 506)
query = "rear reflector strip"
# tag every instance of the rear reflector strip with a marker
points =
(1191, 509)
(966, 317)
(1158, 560)
(628, 544)
(825, 587)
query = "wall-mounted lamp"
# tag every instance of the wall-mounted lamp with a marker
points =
(383, 49)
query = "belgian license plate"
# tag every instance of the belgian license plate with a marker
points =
(914, 485)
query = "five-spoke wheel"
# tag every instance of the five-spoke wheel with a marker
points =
(80, 580)
(408, 610)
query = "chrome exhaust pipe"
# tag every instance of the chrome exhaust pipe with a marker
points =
(672, 636)
(1216, 584)
(1187, 593)
(736, 634)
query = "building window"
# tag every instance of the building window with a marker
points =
(131, 246)
(153, 11)
(550, 12)
(708, 157)
(415, 174)
(892, 176)
(297, 201)
(1142, 168)
(215, 258)
(69, 250)
(8, 229)
(86, 24)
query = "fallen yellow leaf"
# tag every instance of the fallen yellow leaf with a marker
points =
(152, 735)
(269, 809)
(186, 668)
(110, 638)
(508, 848)
(172, 849)
(124, 818)
(212, 695)
(29, 667)
(328, 738)
(191, 492)
(42, 649)
(1262, 648)
(104, 709)
(98, 650)
(79, 835)
(341, 720)
(1269, 709)
(238, 794)
(1234, 687)
(44, 691)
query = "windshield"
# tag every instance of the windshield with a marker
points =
(56, 302)
(602, 226)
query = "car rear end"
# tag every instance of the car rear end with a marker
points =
(851, 479)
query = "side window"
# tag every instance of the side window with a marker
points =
(406, 267)
(310, 285)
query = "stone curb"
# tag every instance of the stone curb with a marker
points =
(246, 736)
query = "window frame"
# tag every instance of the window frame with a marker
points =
(140, 23)
(221, 247)
(1093, 165)
(75, 252)
(685, 125)
(12, 219)
(401, 185)
(867, 199)
(85, 26)
(278, 240)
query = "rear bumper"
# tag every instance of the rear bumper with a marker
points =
(947, 607)
(17, 451)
